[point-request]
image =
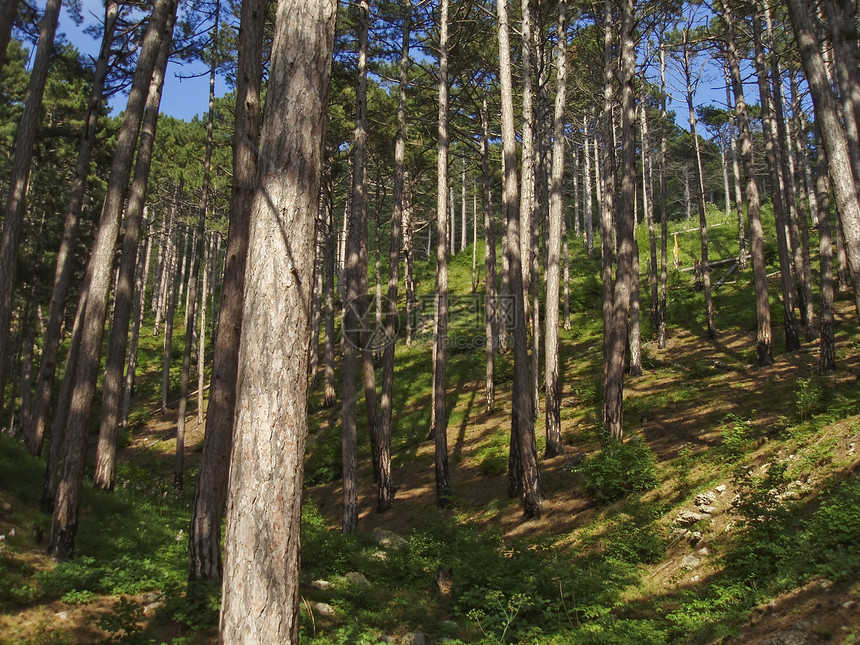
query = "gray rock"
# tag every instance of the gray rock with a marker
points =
(322, 585)
(688, 518)
(324, 609)
(151, 609)
(62, 615)
(356, 579)
(705, 499)
(708, 510)
(414, 638)
(704, 551)
(850, 604)
(387, 539)
(695, 537)
(722, 488)
(690, 562)
(790, 636)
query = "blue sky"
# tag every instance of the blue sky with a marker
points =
(182, 98)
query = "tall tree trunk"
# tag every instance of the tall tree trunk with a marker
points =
(700, 195)
(554, 445)
(137, 321)
(97, 283)
(664, 217)
(827, 342)
(261, 577)
(440, 416)
(648, 207)
(386, 490)
(588, 208)
(7, 20)
(211, 492)
(22, 160)
(194, 272)
(523, 449)
(329, 393)
(527, 176)
(170, 296)
(780, 212)
(614, 380)
(205, 278)
(118, 338)
(832, 134)
(736, 173)
(606, 184)
(764, 337)
(491, 303)
(63, 273)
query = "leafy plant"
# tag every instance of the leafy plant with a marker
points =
(736, 434)
(619, 469)
(123, 620)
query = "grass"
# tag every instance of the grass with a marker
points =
(605, 565)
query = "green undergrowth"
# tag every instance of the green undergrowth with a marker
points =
(611, 575)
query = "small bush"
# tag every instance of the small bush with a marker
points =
(736, 433)
(832, 535)
(619, 469)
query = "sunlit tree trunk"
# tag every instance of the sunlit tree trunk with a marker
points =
(700, 194)
(523, 450)
(491, 305)
(19, 178)
(664, 231)
(440, 417)
(105, 471)
(764, 338)
(554, 445)
(386, 489)
(780, 212)
(97, 283)
(211, 492)
(262, 554)
(63, 274)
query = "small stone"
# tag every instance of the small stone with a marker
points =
(695, 537)
(695, 578)
(721, 489)
(414, 638)
(324, 609)
(826, 584)
(357, 579)
(850, 604)
(387, 539)
(322, 585)
(690, 562)
(688, 518)
(386, 638)
(151, 609)
(708, 510)
(705, 499)
(704, 551)
(62, 615)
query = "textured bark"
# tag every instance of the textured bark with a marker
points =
(832, 134)
(664, 230)
(58, 434)
(554, 445)
(63, 273)
(328, 315)
(491, 304)
(7, 20)
(211, 492)
(527, 175)
(700, 194)
(764, 336)
(194, 279)
(137, 321)
(97, 283)
(170, 298)
(648, 207)
(606, 186)
(386, 490)
(19, 178)
(261, 575)
(105, 472)
(780, 211)
(624, 227)
(523, 450)
(736, 172)
(588, 208)
(827, 342)
(440, 327)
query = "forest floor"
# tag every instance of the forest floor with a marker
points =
(731, 515)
